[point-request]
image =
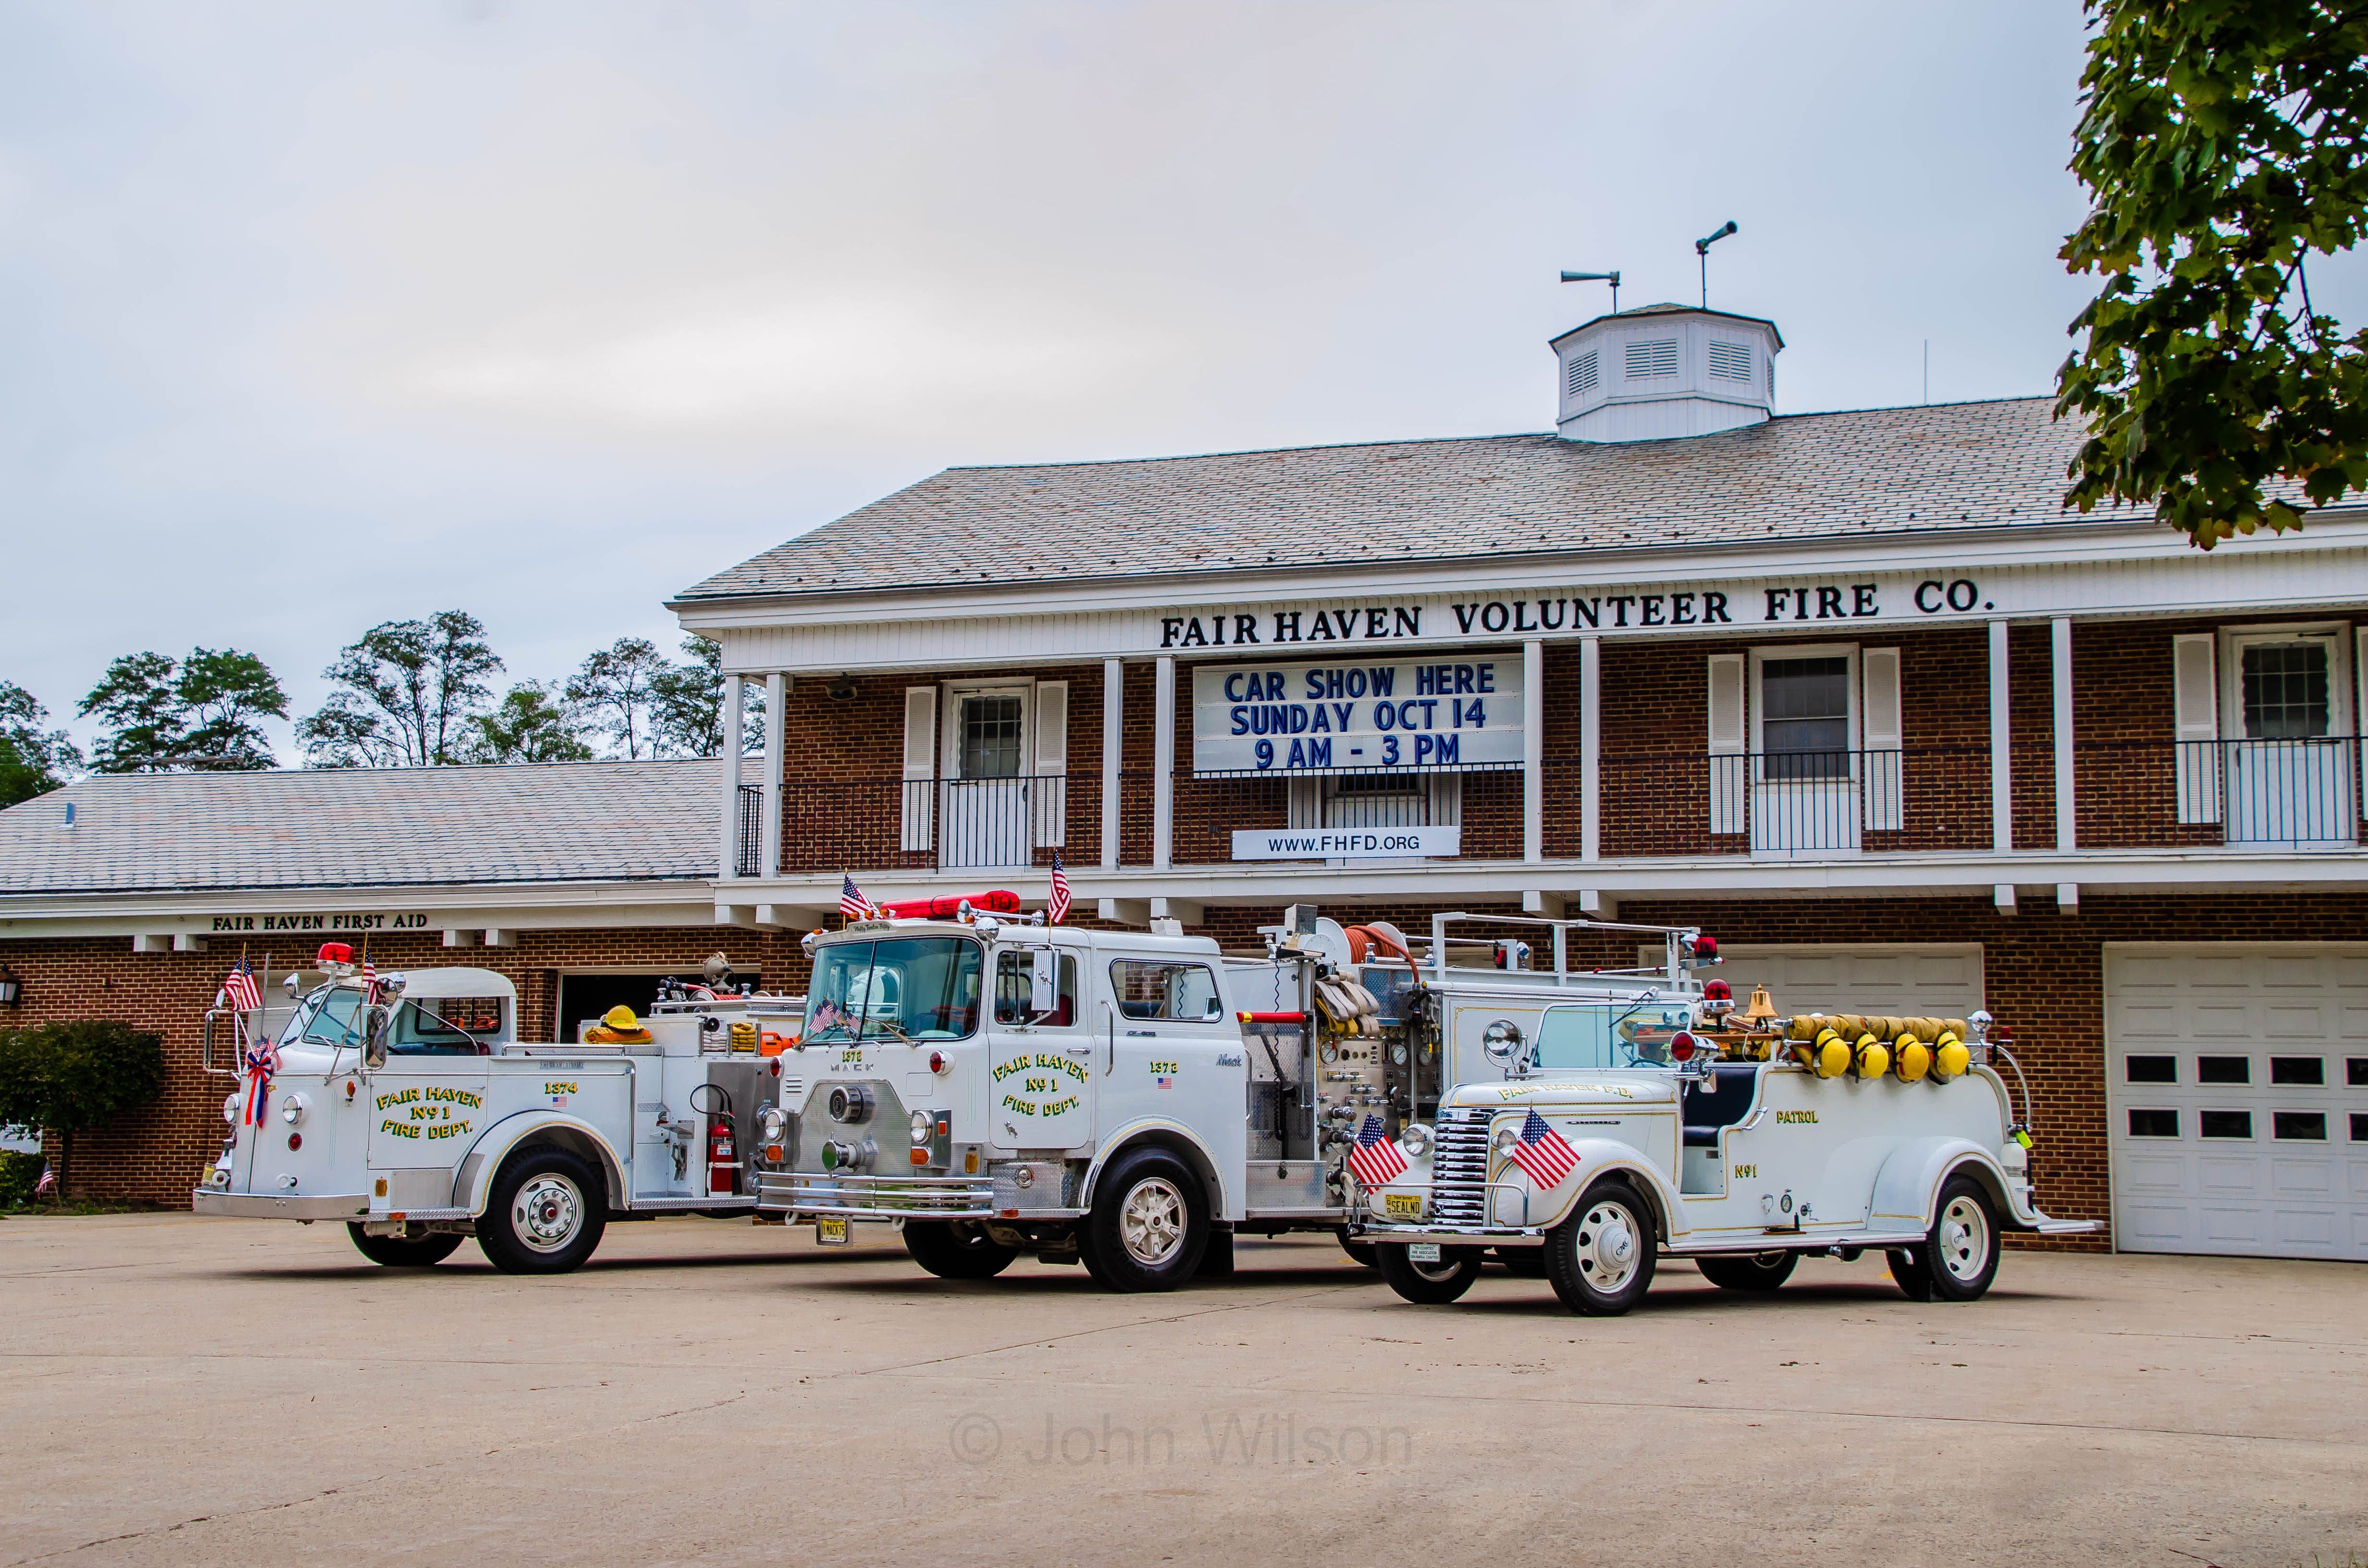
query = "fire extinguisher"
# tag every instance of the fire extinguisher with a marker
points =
(722, 1152)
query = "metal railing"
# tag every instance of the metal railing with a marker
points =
(748, 857)
(1793, 803)
(2282, 793)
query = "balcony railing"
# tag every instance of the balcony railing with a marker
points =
(749, 837)
(2300, 794)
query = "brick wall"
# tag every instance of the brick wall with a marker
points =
(153, 1155)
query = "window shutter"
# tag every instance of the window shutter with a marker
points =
(1446, 799)
(1726, 759)
(1880, 724)
(920, 765)
(1303, 803)
(1053, 763)
(2195, 710)
(2360, 711)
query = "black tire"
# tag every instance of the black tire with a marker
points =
(1149, 1224)
(1961, 1252)
(403, 1252)
(1362, 1251)
(1909, 1273)
(957, 1249)
(545, 1213)
(1600, 1259)
(1431, 1284)
(1530, 1263)
(1749, 1271)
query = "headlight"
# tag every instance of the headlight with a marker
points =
(291, 1110)
(1505, 1139)
(923, 1125)
(1415, 1139)
(771, 1124)
(230, 1109)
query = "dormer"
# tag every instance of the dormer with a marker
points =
(1660, 371)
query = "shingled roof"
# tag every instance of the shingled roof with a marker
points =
(1869, 473)
(540, 823)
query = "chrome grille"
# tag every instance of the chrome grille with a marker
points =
(1459, 1166)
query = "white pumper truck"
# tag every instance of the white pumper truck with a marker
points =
(1744, 1141)
(997, 1086)
(405, 1106)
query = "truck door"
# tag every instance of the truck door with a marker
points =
(1175, 1052)
(424, 1111)
(1043, 1053)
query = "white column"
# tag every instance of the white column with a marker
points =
(2067, 816)
(1162, 763)
(1591, 748)
(777, 691)
(734, 721)
(2002, 746)
(1113, 753)
(1533, 752)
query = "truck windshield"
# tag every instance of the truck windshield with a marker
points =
(1599, 1035)
(912, 988)
(331, 1015)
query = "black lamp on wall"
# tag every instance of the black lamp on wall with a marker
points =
(10, 988)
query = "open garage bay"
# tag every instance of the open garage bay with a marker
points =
(182, 1389)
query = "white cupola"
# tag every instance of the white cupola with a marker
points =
(1660, 371)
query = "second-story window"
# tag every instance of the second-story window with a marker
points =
(1804, 717)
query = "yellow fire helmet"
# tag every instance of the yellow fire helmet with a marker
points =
(621, 1018)
(1830, 1057)
(1912, 1061)
(1951, 1059)
(1870, 1059)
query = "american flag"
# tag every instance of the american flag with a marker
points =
(1057, 908)
(1541, 1152)
(1375, 1159)
(851, 901)
(240, 992)
(370, 977)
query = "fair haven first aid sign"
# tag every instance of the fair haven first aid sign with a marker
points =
(1356, 718)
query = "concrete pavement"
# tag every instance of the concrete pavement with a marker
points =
(179, 1390)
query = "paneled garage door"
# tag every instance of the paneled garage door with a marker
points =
(2236, 1081)
(1916, 979)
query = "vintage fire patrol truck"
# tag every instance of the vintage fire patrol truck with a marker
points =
(997, 1086)
(1745, 1142)
(406, 1107)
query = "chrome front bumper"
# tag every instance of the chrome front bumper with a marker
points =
(876, 1197)
(261, 1206)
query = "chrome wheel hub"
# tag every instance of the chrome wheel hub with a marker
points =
(1151, 1222)
(1965, 1239)
(547, 1212)
(1607, 1246)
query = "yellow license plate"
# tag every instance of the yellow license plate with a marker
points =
(1402, 1205)
(830, 1233)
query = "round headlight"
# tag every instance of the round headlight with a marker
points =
(230, 1109)
(1505, 1139)
(292, 1108)
(1501, 1041)
(1415, 1139)
(923, 1124)
(771, 1124)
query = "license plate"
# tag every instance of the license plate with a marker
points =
(1422, 1252)
(1406, 1205)
(830, 1233)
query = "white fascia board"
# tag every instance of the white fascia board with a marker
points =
(1935, 876)
(1959, 550)
(507, 907)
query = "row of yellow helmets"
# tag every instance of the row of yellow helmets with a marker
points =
(1861, 1045)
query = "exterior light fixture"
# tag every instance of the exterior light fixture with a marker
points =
(11, 988)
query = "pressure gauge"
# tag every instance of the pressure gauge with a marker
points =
(1398, 1054)
(1330, 1053)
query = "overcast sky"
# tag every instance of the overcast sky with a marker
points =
(313, 316)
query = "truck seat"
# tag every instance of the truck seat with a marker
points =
(1725, 1099)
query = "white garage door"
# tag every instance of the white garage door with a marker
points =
(1916, 980)
(2236, 1081)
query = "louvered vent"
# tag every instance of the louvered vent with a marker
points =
(1657, 359)
(1731, 361)
(1582, 375)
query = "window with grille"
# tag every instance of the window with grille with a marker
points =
(1731, 361)
(2286, 691)
(1658, 357)
(1804, 717)
(990, 737)
(1580, 378)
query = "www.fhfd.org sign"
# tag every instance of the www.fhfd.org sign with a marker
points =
(1340, 718)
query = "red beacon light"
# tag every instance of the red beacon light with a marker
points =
(1704, 949)
(1683, 1046)
(335, 952)
(1717, 990)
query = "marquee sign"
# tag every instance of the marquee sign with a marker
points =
(1371, 715)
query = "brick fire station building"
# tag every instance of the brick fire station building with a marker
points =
(1848, 690)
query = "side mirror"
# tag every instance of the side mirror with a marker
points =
(376, 1028)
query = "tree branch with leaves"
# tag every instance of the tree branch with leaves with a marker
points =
(406, 691)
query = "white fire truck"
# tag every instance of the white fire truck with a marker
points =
(406, 1106)
(1743, 1141)
(997, 1086)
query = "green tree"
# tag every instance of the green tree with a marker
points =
(69, 1077)
(531, 724)
(407, 692)
(200, 712)
(2221, 146)
(687, 705)
(613, 690)
(33, 761)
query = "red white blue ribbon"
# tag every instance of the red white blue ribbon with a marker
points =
(262, 1057)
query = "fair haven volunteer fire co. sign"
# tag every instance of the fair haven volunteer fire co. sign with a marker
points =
(1368, 717)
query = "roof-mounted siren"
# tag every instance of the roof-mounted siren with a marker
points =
(1701, 253)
